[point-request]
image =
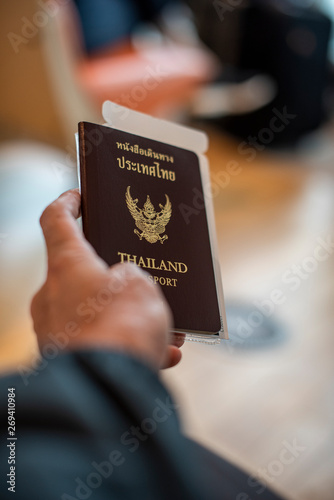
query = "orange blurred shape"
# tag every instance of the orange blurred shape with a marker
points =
(154, 81)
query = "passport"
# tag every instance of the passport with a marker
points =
(143, 202)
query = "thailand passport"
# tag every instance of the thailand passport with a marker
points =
(143, 202)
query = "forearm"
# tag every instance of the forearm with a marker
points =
(100, 413)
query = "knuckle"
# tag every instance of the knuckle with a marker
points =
(129, 273)
(48, 214)
(60, 262)
(44, 216)
(38, 306)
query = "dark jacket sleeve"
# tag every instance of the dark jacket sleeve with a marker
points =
(96, 425)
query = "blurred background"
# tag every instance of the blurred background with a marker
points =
(257, 76)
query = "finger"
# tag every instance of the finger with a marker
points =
(174, 356)
(60, 228)
(177, 339)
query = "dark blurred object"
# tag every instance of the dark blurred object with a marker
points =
(105, 22)
(278, 38)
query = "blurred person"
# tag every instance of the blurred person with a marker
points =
(106, 22)
(92, 419)
(285, 40)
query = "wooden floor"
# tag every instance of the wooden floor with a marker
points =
(246, 404)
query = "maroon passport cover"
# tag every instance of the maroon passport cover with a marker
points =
(140, 202)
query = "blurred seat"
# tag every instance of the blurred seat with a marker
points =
(157, 79)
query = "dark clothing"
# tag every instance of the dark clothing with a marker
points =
(105, 22)
(100, 425)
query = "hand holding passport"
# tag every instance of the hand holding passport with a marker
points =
(143, 202)
(85, 305)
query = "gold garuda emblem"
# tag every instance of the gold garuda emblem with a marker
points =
(151, 224)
